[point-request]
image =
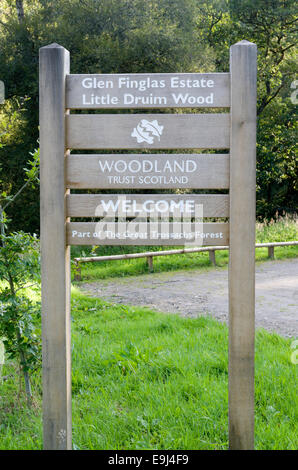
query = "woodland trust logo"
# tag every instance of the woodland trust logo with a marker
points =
(146, 131)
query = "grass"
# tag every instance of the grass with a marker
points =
(145, 380)
(283, 229)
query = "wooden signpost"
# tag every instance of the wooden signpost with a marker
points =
(61, 171)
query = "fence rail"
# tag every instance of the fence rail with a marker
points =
(151, 254)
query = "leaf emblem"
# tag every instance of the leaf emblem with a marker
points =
(146, 131)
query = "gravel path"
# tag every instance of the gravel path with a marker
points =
(194, 293)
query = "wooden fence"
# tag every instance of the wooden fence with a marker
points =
(151, 254)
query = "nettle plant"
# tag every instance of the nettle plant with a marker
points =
(20, 315)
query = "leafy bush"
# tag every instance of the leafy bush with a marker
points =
(19, 315)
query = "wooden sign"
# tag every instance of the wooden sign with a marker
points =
(157, 90)
(146, 205)
(144, 233)
(147, 171)
(154, 131)
(175, 218)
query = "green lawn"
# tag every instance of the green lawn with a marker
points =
(145, 380)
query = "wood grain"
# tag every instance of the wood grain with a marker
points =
(178, 90)
(82, 233)
(180, 131)
(243, 59)
(147, 171)
(132, 205)
(55, 255)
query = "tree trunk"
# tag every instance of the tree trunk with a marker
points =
(20, 10)
(26, 379)
(2, 224)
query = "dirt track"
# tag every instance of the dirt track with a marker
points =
(193, 293)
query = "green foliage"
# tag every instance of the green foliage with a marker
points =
(19, 259)
(277, 166)
(147, 380)
(103, 37)
(281, 229)
(32, 173)
(15, 143)
(272, 25)
(20, 331)
(19, 315)
(111, 36)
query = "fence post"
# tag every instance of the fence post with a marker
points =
(150, 263)
(271, 252)
(212, 257)
(55, 255)
(243, 59)
(77, 271)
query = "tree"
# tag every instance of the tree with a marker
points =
(272, 25)
(19, 263)
(125, 36)
(106, 36)
(20, 10)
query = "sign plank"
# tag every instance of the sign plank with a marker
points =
(144, 233)
(158, 131)
(159, 90)
(154, 171)
(132, 205)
